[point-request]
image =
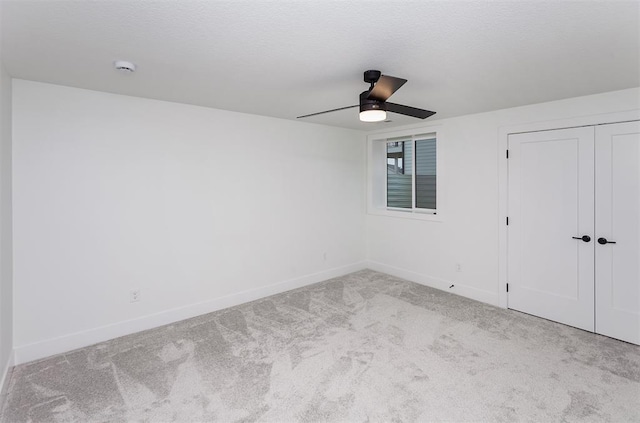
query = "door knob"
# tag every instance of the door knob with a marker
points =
(585, 238)
(603, 241)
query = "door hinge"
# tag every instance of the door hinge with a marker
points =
(507, 220)
(507, 154)
(507, 287)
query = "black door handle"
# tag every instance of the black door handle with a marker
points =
(603, 241)
(585, 238)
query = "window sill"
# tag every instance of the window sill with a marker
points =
(409, 214)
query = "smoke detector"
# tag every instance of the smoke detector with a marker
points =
(124, 66)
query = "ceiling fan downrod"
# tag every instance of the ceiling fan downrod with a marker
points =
(371, 77)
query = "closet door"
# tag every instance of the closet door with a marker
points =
(551, 206)
(618, 220)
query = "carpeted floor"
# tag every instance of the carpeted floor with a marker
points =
(363, 347)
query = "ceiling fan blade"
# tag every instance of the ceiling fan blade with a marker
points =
(409, 111)
(386, 86)
(327, 111)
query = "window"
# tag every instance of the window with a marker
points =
(404, 171)
(399, 179)
(411, 178)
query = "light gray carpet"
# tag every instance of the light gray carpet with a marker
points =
(364, 347)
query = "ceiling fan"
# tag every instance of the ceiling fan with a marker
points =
(373, 102)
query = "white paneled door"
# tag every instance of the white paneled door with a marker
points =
(551, 206)
(618, 231)
(574, 227)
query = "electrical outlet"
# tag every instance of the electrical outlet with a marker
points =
(134, 295)
(458, 267)
(324, 256)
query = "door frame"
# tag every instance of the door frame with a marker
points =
(503, 175)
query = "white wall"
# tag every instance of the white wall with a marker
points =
(6, 249)
(187, 204)
(427, 252)
(6, 257)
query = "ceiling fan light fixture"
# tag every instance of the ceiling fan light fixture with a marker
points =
(374, 115)
(371, 110)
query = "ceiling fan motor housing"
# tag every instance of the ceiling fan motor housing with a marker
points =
(369, 103)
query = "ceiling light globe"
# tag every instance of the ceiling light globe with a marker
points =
(376, 115)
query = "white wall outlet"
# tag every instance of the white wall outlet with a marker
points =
(458, 267)
(134, 295)
(324, 256)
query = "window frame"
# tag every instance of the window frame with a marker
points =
(377, 174)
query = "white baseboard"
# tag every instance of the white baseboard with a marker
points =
(4, 379)
(49, 347)
(482, 295)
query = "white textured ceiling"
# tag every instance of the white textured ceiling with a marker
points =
(284, 59)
